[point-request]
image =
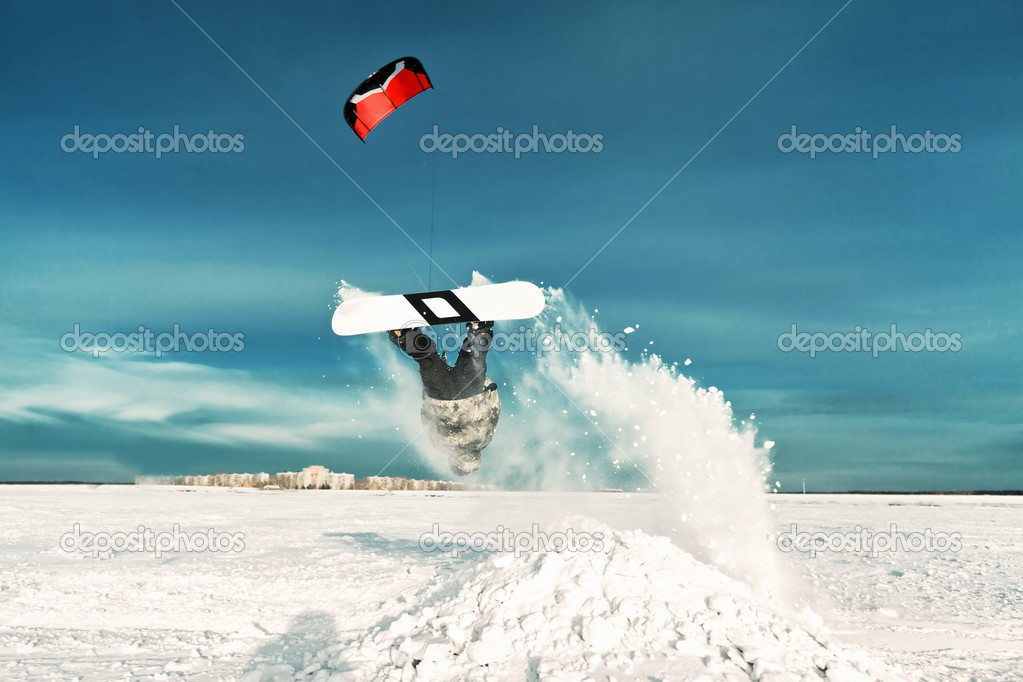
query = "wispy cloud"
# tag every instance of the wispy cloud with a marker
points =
(179, 401)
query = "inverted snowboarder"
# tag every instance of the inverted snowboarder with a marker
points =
(460, 404)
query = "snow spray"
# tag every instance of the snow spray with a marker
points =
(591, 419)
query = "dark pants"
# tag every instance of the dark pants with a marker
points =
(469, 375)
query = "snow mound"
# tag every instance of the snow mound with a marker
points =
(636, 606)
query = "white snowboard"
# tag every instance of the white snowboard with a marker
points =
(506, 301)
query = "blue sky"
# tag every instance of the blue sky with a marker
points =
(745, 241)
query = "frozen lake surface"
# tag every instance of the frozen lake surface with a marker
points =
(336, 585)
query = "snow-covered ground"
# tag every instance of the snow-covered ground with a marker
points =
(336, 585)
(955, 615)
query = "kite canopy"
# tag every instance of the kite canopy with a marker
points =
(383, 92)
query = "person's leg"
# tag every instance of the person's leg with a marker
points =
(435, 373)
(438, 382)
(470, 370)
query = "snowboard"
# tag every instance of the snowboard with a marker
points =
(505, 301)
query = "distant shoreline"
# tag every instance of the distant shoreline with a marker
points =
(1008, 493)
(904, 492)
(66, 483)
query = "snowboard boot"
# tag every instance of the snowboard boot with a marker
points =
(478, 337)
(414, 342)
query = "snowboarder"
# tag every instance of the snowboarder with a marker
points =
(460, 403)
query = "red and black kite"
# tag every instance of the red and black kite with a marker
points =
(383, 92)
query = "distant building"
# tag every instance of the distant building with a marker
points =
(314, 477)
(318, 477)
